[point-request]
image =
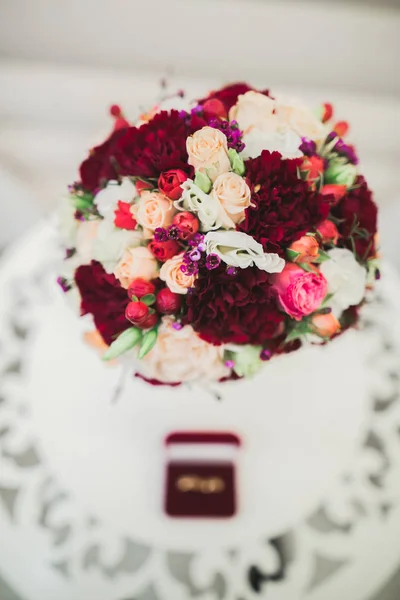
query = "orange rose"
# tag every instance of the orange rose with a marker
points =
(307, 248)
(325, 325)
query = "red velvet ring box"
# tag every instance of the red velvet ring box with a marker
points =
(201, 474)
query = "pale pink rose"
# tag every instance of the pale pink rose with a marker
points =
(300, 119)
(299, 292)
(208, 152)
(153, 210)
(254, 111)
(180, 355)
(177, 281)
(135, 263)
(234, 195)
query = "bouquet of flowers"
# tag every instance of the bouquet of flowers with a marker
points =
(205, 241)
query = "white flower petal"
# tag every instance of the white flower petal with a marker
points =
(346, 279)
(238, 249)
(107, 199)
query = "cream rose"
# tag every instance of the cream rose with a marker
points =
(136, 262)
(208, 152)
(234, 195)
(180, 355)
(177, 281)
(153, 210)
(299, 118)
(254, 111)
(238, 249)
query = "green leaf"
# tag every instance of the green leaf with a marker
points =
(306, 267)
(82, 202)
(124, 342)
(134, 298)
(148, 342)
(322, 257)
(148, 299)
(203, 182)
(237, 163)
(292, 255)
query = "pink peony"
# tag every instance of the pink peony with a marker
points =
(299, 292)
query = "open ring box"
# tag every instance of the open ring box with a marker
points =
(201, 474)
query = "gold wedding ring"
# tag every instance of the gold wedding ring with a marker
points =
(194, 483)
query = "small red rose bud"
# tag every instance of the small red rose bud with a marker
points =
(140, 287)
(169, 183)
(214, 108)
(188, 224)
(327, 112)
(164, 250)
(335, 190)
(150, 321)
(167, 302)
(328, 232)
(341, 128)
(136, 312)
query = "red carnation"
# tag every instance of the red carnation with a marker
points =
(228, 95)
(357, 219)
(284, 208)
(155, 147)
(103, 297)
(100, 167)
(237, 308)
(123, 217)
(164, 250)
(167, 302)
(170, 183)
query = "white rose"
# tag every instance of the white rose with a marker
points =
(285, 141)
(206, 206)
(254, 110)
(299, 118)
(208, 152)
(234, 195)
(110, 244)
(346, 279)
(238, 249)
(107, 199)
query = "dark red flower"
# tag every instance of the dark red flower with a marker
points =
(285, 207)
(168, 302)
(228, 95)
(164, 250)
(357, 215)
(237, 308)
(170, 183)
(103, 297)
(156, 146)
(100, 167)
(123, 217)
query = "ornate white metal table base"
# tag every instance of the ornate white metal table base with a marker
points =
(53, 548)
